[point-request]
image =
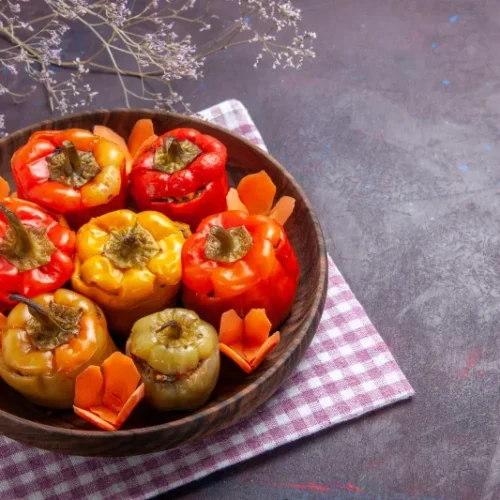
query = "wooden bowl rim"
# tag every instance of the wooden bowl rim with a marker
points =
(305, 323)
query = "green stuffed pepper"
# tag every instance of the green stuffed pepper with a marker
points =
(177, 355)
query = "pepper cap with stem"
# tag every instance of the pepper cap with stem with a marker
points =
(175, 155)
(130, 247)
(173, 341)
(25, 248)
(72, 167)
(50, 326)
(227, 245)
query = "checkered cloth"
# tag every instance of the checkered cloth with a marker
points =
(346, 372)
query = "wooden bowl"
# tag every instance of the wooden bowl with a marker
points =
(237, 395)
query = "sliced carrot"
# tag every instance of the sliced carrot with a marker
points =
(117, 419)
(141, 131)
(120, 380)
(4, 188)
(231, 328)
(144, 146)
(269, 345)
(94, 419)
(257, 327)
(234, 202)
(112, 136)
(257, 191)
(235, 357)
(129, 406)
(105, 413)
(89, 388)
(283, 209)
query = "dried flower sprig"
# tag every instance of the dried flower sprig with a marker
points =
(146, 40)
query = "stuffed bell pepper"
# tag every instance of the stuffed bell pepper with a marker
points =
(182, 174)
(241, 262)
(130, 264)
(36, 251)
(177, 355)
(73, 172)
(47, 341)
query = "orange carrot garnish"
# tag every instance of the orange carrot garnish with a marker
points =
(255, 195)
(89, 388)
(257, 327)
(4, 188)
(105, 396)
(257, 191)
(247, 341)
(283, 209)
(112, 136)
(120, 380)
(140, 132)
(231, 329)
(239, 360)
(270, 344)
(94, 419)
(130, 404)
(234, 202)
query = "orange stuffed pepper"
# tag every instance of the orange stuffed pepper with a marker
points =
(47, 341)
(73, 172)
(241, 262)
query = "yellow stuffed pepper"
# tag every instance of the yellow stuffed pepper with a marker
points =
(130, 264)
(47, 341)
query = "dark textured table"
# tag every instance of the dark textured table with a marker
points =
(394, 133)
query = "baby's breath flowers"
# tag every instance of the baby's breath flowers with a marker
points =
(150, 41)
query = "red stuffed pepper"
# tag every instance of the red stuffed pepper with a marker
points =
(241, 262)
(73, 172)
(36, 251)
(182, 175)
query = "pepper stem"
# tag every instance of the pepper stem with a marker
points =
(50, 326)
(226, 241)
(22, 243)
(227, 245)
(175, 155)
(73, 163)
(130, 247)
(24, 248)
(72, 167)
(41, 313)
(174, 329)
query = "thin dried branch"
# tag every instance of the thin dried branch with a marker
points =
(146, 36)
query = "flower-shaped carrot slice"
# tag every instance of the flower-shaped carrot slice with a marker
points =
(106, 395)
(140, 132)
(4, 188)
(255, 195)
(246, 341)
(283, 209)
(234, 202)
(257, 192)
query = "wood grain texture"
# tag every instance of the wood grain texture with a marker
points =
(236, 394)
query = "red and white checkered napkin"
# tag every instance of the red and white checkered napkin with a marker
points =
(347, 371)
